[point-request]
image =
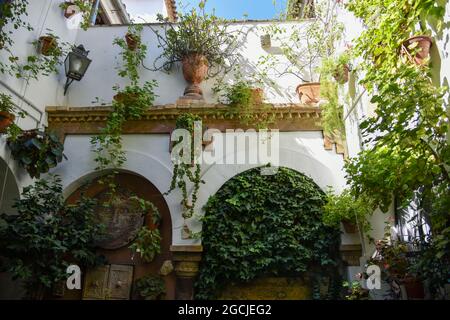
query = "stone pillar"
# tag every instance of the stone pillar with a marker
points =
(186, 260)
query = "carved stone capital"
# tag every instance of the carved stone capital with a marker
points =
(351, 253)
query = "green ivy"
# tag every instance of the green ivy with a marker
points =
(186, 172)
(47, 235)
(258, 225)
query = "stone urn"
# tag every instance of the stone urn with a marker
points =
(309, 93)
(195, 68)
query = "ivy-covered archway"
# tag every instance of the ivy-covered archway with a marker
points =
(261, 225)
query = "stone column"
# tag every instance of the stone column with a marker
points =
(186, 260)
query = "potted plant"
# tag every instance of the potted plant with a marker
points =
(6, 112)
(36, 151)
(418, 48)
(201, 42)
(150, 287)
(307, 44)
(349, 210)
(48, 44)
(72, 7)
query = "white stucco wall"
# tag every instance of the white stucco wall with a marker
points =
(145, 11)
(148, 156)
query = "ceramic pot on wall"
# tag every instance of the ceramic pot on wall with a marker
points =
(195, 69)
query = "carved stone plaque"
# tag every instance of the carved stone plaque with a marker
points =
(122, 219)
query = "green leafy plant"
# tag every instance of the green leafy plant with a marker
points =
(148, 240)
(36, 151)
(308, 42)
(85, 7)
(407, 137)
(196, 32)
(355, 291)
(151, 287)
(129, 103)
(147, 243)
(186, 172)
(132, 58)
(47, 235)
(6, 103)
(261, 225)
(348, 207)
(11, 18)
(43, 64)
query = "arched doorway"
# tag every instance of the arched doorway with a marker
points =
(116, 246)
(263, 238)
(9, 192)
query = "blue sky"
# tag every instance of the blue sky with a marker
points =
(235, 9)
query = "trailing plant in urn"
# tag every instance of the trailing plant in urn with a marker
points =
(201, 42)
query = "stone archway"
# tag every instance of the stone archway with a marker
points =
(263, 238)
(9, 192)
(119, 254)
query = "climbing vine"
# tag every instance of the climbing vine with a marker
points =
(183, 171)
(258, 225)
(129, 103)
(407, 139)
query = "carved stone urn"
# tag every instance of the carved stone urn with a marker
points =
(195, 68)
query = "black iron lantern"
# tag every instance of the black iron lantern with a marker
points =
(76, 65)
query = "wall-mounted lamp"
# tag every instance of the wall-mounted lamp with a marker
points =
(76, 64)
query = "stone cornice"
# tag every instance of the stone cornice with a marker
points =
(161, 119)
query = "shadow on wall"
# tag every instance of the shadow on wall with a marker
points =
(257, 71)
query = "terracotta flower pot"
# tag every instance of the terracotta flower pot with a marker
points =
(414, 288)
(309, 92)
(6, 119)
(257, 96)
(341, 75)
(132, 41)
(349, 227)
(69, 10)
(195, 68)
(421, 51)
(48, 43)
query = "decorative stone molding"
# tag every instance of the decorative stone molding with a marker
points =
(161, 119)
(351, 254)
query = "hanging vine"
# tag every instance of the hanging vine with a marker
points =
(186, 172)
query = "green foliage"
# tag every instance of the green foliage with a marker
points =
(307, 43)
(85, 7)
(37, 65)
(332, 114)
(132, 59)
(6, 103)
(11, 19)
(347, 207)
(258, 225)
(408, 135)
(36, 151)
(186, 172)
(47, 235)
(129, 103)
(151, 287)
(355, 291)
(147, 243)
(196, 32)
